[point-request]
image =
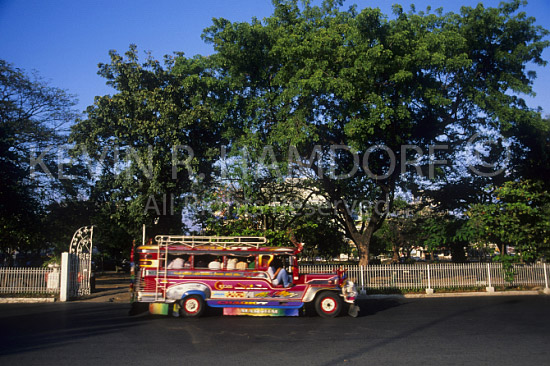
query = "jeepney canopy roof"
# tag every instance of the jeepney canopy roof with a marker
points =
(252, 245)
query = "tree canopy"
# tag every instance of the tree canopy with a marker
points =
(155, 139)
(371, 105)
(315, 122)
(34, 118)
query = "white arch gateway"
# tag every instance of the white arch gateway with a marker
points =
(80, 262)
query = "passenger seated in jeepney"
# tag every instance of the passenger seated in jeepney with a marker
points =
(177, 263)
(278, 274)
(215, 264)
(199, 262)
(231, 263)
(241, 265)
(251, 263)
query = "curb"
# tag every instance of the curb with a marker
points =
(27, 300)
(453, 294)
(111, 296)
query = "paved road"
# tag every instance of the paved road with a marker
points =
(443, 331)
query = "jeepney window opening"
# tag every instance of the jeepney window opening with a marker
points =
(174, 263)
(236, 261)
(202, 260)
(264, 261)
(283, 260)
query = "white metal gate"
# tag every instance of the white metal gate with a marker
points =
(80, 262)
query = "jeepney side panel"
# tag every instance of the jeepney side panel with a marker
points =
(317, 282)
(181, 290)
(232, 288)
(227, 287)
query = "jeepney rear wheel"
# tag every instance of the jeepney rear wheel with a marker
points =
(192, 306)
(328, 304)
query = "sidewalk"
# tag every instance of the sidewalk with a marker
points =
(454, 294)
(110, 287)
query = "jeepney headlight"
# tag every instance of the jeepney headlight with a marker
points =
(349, 290)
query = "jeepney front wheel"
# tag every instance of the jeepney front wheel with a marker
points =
(192, 306)
(328, 304)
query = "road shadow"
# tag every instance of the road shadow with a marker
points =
(373, 306)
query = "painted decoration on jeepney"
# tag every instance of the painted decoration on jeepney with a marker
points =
(241, 303)
(235, 294)
(238, 286)
(159, 309)
(283, 293)
(222, 286)
(261, 311)
(254, 303)
(232, 294)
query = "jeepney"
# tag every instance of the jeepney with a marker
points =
(182, 275)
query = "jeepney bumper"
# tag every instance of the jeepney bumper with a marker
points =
(349, 293)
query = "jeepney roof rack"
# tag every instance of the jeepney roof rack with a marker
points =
(225, 242)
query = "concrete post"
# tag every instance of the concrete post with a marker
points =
(363, 290)
(546, 289)
(489, 288)
(64, 288)
(429, 290)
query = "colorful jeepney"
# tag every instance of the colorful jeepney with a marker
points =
(183, 275)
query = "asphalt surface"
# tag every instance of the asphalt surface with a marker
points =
(115, 287)
(499, 330)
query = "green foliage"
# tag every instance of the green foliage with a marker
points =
(153, 140)
(519, 216)
(314, 76)
(507, 266)
(276, 216)
(33, 118)
(302, 100)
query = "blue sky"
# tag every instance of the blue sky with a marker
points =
(64, 40)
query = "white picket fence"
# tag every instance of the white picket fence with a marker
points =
(404, 276)
(439, 275)
(21, 280)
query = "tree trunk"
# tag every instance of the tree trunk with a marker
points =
(363, 251)
(395, 257)
(362, 239)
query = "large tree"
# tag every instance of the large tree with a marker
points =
(151, 142)
(358, 98)
(34, 118)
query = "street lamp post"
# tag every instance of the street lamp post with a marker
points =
(143, 239)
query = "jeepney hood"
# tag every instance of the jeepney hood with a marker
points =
(321, 278)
